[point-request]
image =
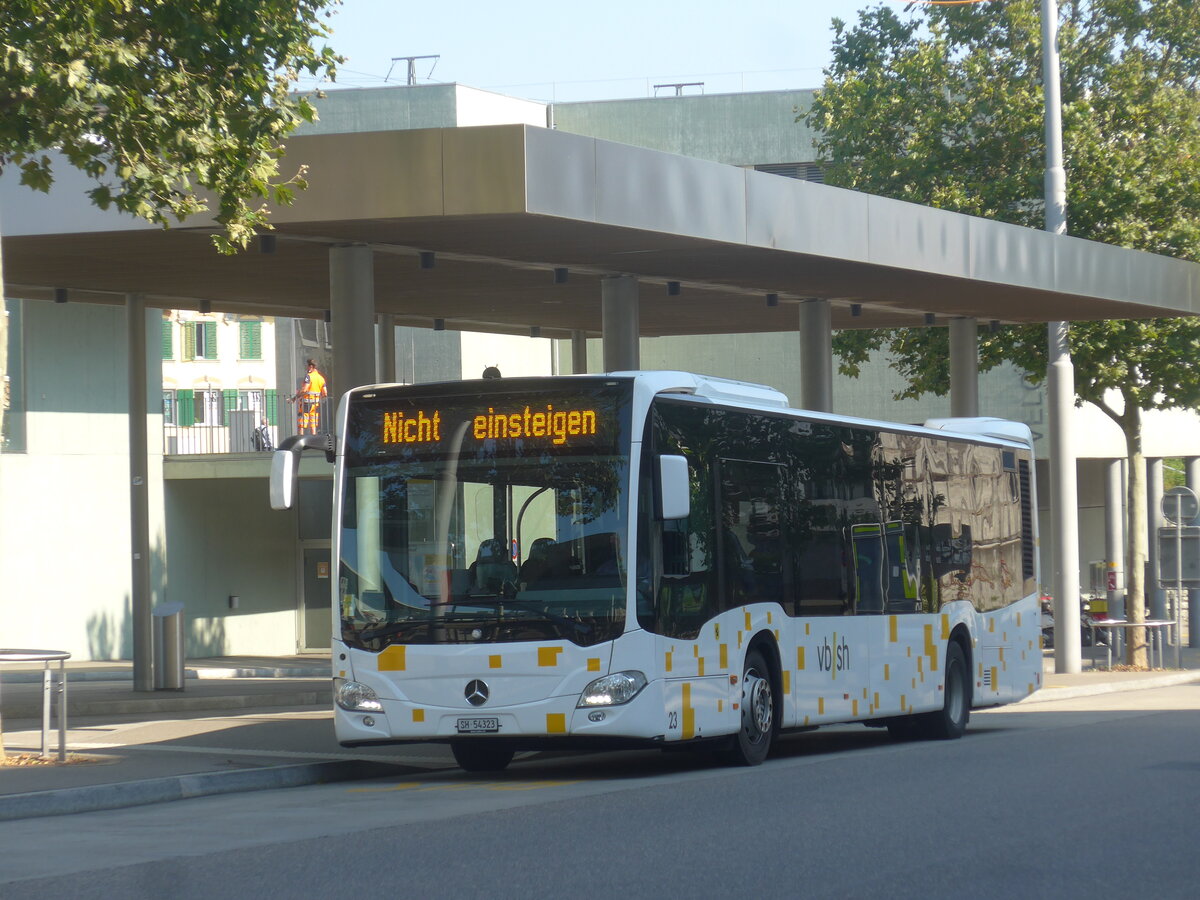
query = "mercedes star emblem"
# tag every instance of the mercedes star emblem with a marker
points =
(476, 692)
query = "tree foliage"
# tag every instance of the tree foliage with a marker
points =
(163, 103)
(943, 106)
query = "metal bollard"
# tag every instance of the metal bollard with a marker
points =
(168, 647)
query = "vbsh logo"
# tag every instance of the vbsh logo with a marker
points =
(835, 658)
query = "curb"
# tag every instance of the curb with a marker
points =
(1049, 694)
(23, 709)
(93, 798)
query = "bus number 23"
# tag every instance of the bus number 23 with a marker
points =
(672, 721)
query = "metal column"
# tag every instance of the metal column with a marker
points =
(139, 496)
(1192, 464)
(1060, 380)
(1156, 597)
(1114, 545)
(621, 323)
(579, 353)
(816, 356)
(1064, 502)
(352, 305)
(964, 366)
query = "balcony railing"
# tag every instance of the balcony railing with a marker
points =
(223, 422)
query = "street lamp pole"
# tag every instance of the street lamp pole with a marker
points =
(1060, 380)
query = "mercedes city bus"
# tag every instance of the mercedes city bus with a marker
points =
(666, 559)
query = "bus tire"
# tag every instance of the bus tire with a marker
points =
(749, 747)
(482, 756)
(949, 722)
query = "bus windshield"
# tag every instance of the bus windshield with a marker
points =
(484, 517)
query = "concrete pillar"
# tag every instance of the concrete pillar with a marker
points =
(1064, 499)
(352, 305)
(579, 353)
(816, 356)
(621, 323)
(1156, 597)
(1192, 464)
(386, 353)
(1114, 533)
(141, 595)
(964, 366)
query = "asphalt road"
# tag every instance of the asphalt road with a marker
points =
(1093, 797)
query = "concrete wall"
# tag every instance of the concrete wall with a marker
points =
(65, 568)
(226, 540)
(405, 107)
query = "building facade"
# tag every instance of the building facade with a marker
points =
(254, 581)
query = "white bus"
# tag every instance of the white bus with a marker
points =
(665, 559)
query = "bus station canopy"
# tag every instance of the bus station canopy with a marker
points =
(501, 208)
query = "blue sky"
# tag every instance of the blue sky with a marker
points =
(562, 50)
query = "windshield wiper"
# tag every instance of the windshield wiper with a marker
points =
(384, 629)
(581, 629)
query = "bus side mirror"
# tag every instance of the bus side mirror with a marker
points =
(285, 466)
(674, 488)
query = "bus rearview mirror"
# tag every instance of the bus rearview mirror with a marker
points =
(285, 465)
(674, 488)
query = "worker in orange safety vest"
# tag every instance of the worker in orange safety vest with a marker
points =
(308, 399)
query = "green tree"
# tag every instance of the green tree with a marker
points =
(943, 106)
(167, 105)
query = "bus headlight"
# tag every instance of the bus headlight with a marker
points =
(357, 697)
(612, 690)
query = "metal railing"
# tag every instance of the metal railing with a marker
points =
(226, 424)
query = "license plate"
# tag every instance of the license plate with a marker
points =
(478, 726)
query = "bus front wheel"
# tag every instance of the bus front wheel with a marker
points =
(749, 747)
(481, 756)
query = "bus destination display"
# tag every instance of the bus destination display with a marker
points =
(561, 426)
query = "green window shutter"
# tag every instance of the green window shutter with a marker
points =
(250, 340)
(231, 402)
(168, 339)
(185, 408)
(210, 340)
(189, 340)
(271, 398)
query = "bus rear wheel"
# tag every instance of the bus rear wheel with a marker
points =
(951, 720)
(482, 756)
(749, 747)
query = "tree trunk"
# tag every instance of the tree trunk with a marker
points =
(1135, 563)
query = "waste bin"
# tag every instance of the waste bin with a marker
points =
(168, 647)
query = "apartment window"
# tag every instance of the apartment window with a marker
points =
(250, 400)
(200, 340)
(210, 407)
(168, 339)
(250, 340)
(170, 408)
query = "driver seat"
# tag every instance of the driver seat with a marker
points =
(492, 567)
